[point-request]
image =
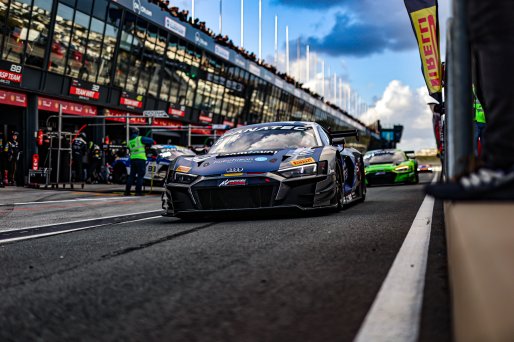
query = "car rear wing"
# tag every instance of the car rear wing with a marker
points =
(410, 154)
(338, 136)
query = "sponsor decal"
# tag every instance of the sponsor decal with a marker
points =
(233, 182)
(425, 23)
(206, 164)
(85, 90)
(222, 52)
(303, 161)
(139, 8)
(273, 160)
(261, 159)
(184, 169)
(233, 160)
(173, 26)
(272, 128)
(234, 170)
(235, 174)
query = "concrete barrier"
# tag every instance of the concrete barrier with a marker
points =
(480, 240)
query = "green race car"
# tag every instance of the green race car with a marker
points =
(390, 167)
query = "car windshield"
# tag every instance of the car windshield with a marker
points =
(168, 152)
(384, 157)
(265, 138)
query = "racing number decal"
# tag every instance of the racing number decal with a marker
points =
(152, 168)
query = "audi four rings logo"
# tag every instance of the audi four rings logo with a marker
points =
(234, 170)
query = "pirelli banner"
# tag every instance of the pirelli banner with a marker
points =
(425, 23)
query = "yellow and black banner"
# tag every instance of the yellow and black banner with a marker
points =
(425, 23)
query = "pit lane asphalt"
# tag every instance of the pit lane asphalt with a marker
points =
(309, 278)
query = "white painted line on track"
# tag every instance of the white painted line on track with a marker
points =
(77, 221)
(72, 230)
(68, 200)
(396, 312)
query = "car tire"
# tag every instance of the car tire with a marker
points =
(416, 178)
(339, 196)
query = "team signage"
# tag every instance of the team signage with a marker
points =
(85, 90)
(52, 105)
(173, 26)
(176, 110)
(424, 20)
(132, 101)
(13, 99)
(10, 73)
(155, 114)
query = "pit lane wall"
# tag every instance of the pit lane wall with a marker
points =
(480, 241)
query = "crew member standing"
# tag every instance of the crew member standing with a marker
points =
(480, 125)
(136, 146)
(79, 150)
(11, 150)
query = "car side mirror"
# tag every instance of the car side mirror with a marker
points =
(338, 141)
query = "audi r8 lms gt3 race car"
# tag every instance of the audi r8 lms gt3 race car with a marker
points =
(389, 167)
(271, 165)
(158, 160)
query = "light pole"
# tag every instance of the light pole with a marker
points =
(221, 17)
(308, 56)
(260, 30)
(287, 49)
(242, 23)
(193, 10)
(276, 41)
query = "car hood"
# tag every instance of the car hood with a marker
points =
(385, 167)
(247, 161)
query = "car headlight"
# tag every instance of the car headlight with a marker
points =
(403, 168)
(184, 178)
(299, 171)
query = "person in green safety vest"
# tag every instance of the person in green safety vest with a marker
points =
(480, 124)
(136, 146)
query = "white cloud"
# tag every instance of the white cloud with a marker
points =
(401, 105)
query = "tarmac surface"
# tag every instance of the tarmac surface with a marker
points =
(290, 278)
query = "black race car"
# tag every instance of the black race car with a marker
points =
(266, 166)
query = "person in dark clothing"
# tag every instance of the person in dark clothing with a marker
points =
(2, 168)
(491, 32)
(95, 164)
(136, 146)
(79, 150)
(12, 150)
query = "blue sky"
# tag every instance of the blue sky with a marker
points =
(369, 44)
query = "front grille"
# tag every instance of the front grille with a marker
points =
(387, 178)
(236, 198)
